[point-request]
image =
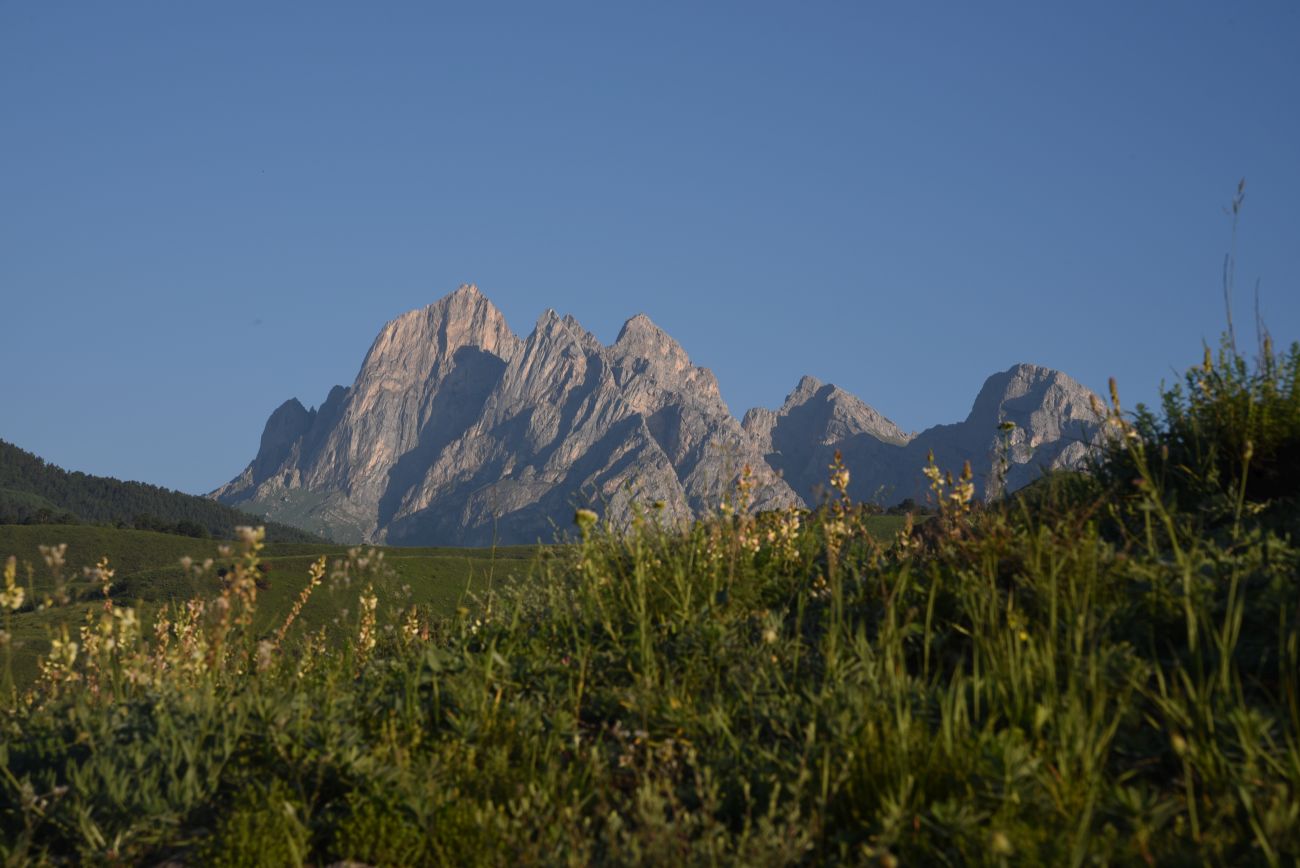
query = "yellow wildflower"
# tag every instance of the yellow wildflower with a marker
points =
(12, 596)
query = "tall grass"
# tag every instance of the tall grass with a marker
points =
(1093, 673)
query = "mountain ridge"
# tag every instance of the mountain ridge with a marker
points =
(1053, 418)
(456, 429)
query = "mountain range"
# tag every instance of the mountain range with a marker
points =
(457, 431)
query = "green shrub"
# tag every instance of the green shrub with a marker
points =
(1227, 436)
(262, 826)
(378, 830)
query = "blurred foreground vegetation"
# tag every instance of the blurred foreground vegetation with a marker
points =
(1101, 669)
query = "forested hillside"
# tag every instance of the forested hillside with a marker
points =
(33, 491)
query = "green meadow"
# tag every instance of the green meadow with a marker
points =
(147, 576)
(1103, 668)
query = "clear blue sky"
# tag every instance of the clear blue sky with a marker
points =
(206, 209)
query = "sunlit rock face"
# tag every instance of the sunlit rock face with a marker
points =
(458, 432)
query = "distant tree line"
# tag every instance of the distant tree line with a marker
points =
(33, 491)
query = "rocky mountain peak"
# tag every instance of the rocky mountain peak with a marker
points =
(817, 418)
(290, 421)
(647, 354)
(290, 415)
(1016, 394)
(1054, 427)
(637, 327)
(421, 342)
(548, 327)
(551, 358)
(826, 413)
(807, 387)
(456, 431)
(640, 337)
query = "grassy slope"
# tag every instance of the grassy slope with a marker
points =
(148, 575)
(1023, 685)
(130, 551)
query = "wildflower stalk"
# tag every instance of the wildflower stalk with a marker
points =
(315, 575)
(368, 604)
(11, 600)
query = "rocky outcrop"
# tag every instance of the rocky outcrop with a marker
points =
(458, 432)
(1054, 427)
(799, 440)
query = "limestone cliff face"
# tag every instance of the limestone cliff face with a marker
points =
(1055, 427)
(458, 432)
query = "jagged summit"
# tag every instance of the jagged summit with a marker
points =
(826, 413)
(816, 418)
(641, 337)
(290, 408)
(807, 387)
(637, 328)
(458, 431)
(1018, 382)
(1053, 415)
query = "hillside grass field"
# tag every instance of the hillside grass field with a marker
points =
(147, 575)
(1101, 669)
